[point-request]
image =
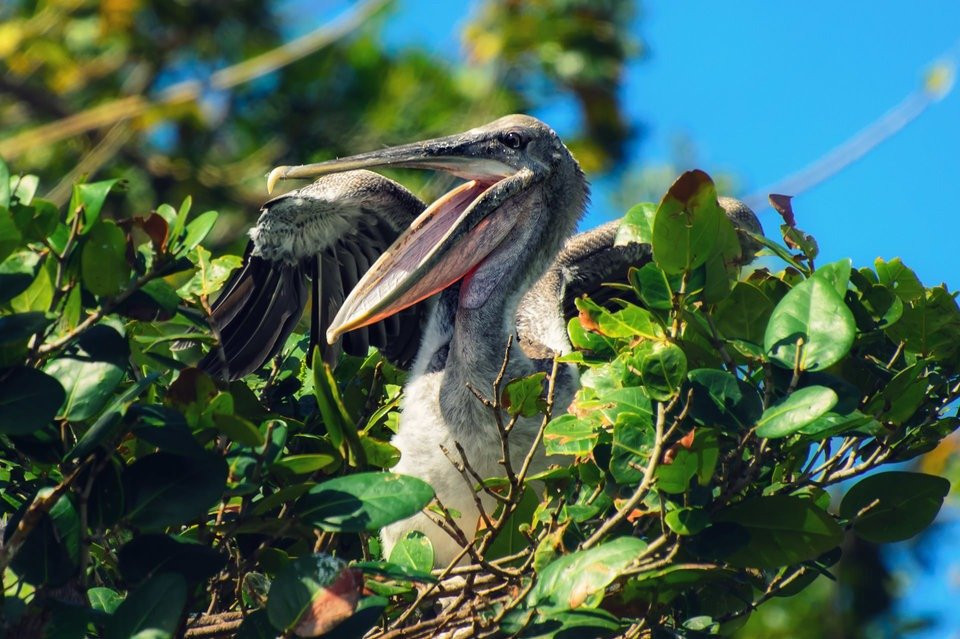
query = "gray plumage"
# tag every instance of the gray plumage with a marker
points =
(527, 194)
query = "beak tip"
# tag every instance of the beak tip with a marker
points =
(275, 176)
(333, 334)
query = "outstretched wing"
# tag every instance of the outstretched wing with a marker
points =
(320, 238)
(585, 263)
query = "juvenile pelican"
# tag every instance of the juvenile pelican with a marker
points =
(489, 260)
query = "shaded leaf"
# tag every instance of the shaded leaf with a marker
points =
(783, 530)
(29, 399)
(901, 504)
(167, 490)
(152, 610)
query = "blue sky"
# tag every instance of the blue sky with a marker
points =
(763, 89)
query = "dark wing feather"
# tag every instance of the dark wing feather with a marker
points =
(323, 237)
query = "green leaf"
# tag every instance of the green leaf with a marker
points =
(630, 321)
(24, 187)
(104, 599)
(16, 272)
(744, 313)
(103, 262)
(379, 454)
(168, 490)
(364, 502)
(50, 551)
(522, 396)
(579, 578)
(674, 478)
(39, 295)
(588, 340)
(652, 285)
(10, 238)
(930, 325)
(394, 571)
(36, 221)
(29, 399)
(88, 199)
(636, 227)
(152, 610)
(210, 274)
(197, 229)
(832, 424)
(166, 429)
(510, 540)
(784, 530)
(4, 185)
(179, 220)
(687, 223)
(687, 521)
(632, 444)
(568, 435)
(797, 410)
(304, 464)
(238, 429)
(106, 424)
(901, 504)
(89, 385)
(560, 624)
(413, 551)
(900, 279)
(662, 368)
(814, 312)
(317, 590)
(837, 274)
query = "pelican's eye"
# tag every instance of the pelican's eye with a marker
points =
(514, 139)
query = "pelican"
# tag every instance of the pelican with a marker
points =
(442, 289)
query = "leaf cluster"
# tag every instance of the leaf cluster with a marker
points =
(701, 469)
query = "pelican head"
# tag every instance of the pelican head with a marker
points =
(523, 195)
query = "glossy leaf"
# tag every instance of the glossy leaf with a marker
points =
(88, 385)
(816, 315)
(662, 368)
(88, 199)
(363, 501)
(198, 228)
(797, 410)
(687, 223)
(413, 551)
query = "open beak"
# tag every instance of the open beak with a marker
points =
(443, 245)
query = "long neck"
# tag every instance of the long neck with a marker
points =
(481, 331)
